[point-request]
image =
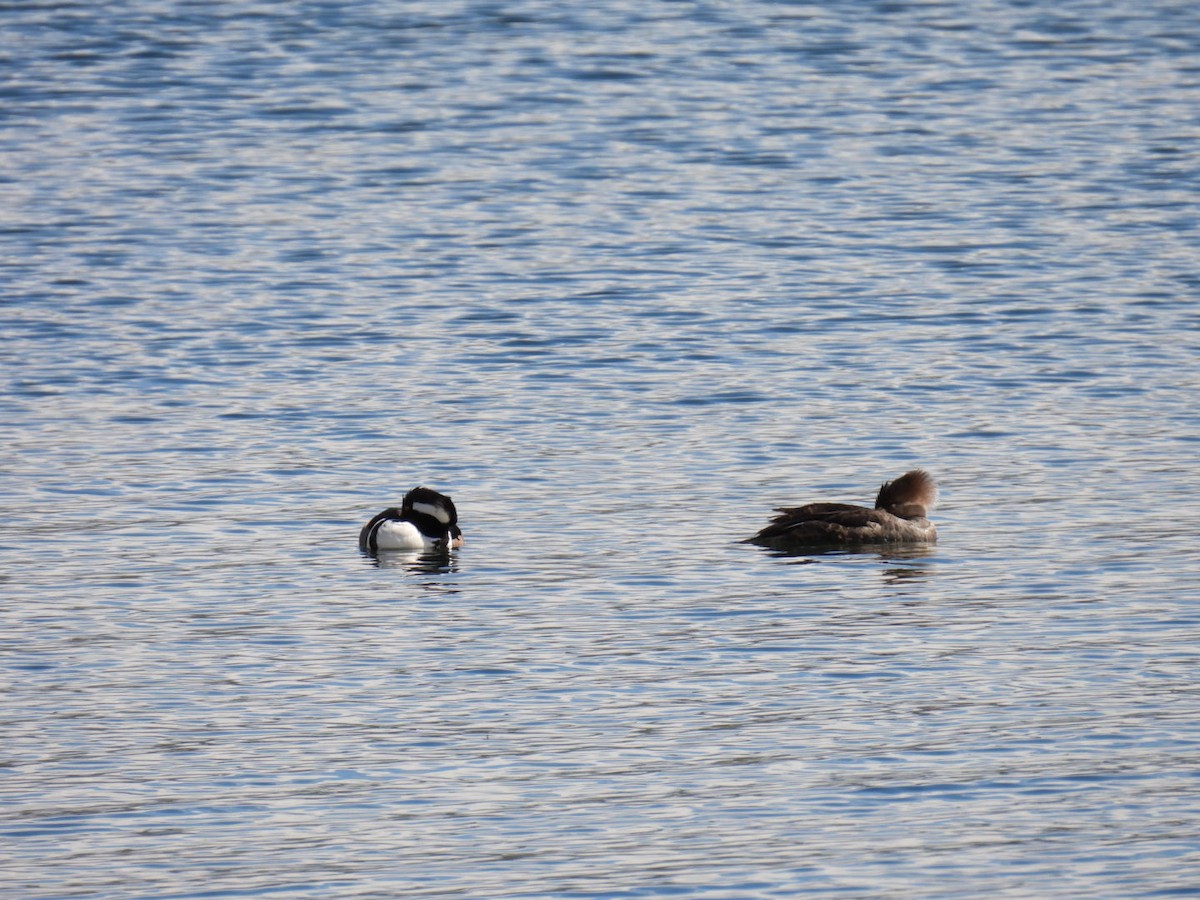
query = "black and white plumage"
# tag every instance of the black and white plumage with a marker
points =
(426, 520)
(898, 517)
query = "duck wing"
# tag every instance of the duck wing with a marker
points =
(821, 521)
(368, 537)
(811, 510)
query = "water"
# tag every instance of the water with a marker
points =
(620, 278)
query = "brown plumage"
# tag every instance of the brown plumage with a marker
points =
(898, 517)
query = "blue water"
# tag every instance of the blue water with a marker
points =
(620, 277)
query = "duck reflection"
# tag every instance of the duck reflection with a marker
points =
(431, 562)
(905, 574)
(901, 561)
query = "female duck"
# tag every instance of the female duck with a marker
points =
(426, 520)
(898, 517)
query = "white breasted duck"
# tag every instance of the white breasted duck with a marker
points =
(898, 517)
(426, 520)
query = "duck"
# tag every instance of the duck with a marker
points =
(899, 516)
(426, 520)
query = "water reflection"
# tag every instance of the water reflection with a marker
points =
(905, 574)
(418, 562)
(885, 553)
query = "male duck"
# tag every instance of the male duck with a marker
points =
(426, 520)
(898, 517)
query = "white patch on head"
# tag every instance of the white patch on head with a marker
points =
(429, 509)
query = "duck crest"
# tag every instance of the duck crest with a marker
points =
(910, 496)
(423, 501)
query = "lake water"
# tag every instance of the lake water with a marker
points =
(620, 277)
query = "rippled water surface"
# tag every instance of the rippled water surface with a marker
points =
(620, 277)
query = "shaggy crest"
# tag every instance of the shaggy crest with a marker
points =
(429, 502)
(909, 496)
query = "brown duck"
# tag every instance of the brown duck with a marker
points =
(898, 517)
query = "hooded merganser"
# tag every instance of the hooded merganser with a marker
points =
(426, 520)
(898, 517)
